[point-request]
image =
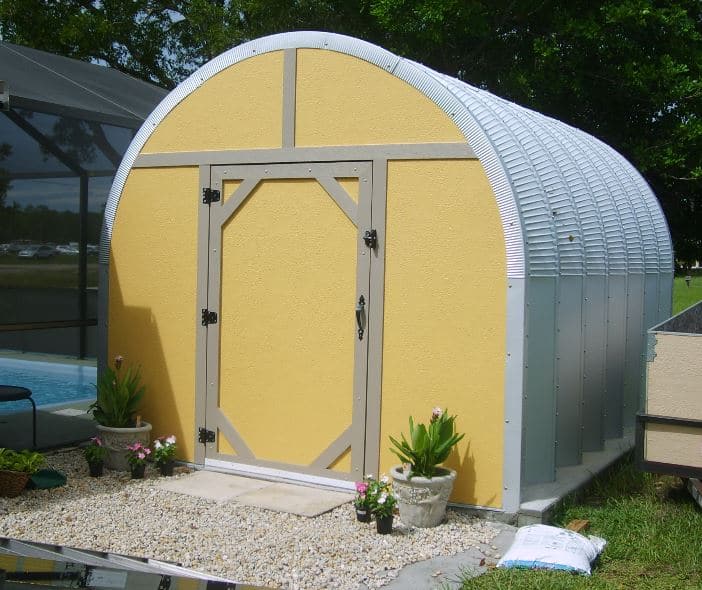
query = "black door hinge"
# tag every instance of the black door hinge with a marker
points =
(206, 436)
(165, 583)
(208, 317)
(371, 238)
(210, 195)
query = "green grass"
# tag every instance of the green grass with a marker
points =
(684, 296)
(651, 525)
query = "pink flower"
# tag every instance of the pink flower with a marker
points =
(147, 450)
(141, 456)
(97, 441)
(436, 413)
(361, 487)
(171, 440)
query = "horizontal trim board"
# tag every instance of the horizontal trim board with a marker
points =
(653, 419)
(684, 471)
(279, 474)
(417, 151)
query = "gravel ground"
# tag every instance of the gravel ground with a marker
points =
(245, 544)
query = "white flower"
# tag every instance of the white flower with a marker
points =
(437, 411)
(385, 479)
(382, 498)
(157, 444)
(171, 440)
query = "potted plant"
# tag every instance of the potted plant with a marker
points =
(95, 453)
(362, 500)
(136, 456)
(383, 504)
(118, 397)
(164, 450)
(423, 488)
(16, 467)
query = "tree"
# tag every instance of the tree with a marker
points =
(626, 71)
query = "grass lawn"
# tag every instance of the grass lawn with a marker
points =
(684, 296)
(651, 524)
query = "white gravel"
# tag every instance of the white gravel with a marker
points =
(248, 545)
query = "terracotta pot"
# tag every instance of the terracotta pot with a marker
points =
(422, 501)
(116, 441)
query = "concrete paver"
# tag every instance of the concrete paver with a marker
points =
(212, 485)
(300, 500)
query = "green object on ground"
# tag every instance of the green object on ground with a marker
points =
(45, 479)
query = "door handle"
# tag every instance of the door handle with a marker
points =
(359, 316)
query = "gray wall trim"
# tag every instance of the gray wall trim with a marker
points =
(289, 88)
(338, 447)
(408, 151)
(514, 391)
(203, 232)
(103, 299)
(232, 435)
(375, 344)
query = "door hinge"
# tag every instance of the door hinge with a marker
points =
(208, 317)
(210, 195)
(206, 436)
(371, 238)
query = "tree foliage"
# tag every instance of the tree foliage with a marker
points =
(627, 71)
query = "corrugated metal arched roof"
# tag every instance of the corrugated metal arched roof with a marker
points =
(569, 204)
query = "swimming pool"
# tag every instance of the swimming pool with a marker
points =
(51, 383)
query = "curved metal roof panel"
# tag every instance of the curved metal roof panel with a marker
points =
(568, 204)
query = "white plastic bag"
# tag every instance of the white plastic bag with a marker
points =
(539, 546)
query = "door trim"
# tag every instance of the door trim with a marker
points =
(356, 435)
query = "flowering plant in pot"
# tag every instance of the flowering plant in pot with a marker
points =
(422, 487)
(362, 500)
(119, 393)
(383, 504)
(137, 455)
(164, 450)
(95, 453)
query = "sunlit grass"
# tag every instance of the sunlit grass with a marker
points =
(651, 526)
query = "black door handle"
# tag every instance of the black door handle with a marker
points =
(359, 316)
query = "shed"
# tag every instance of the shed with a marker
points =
(311, 239)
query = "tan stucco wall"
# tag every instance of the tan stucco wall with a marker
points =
(152, 316)
(445, 299)
(445, 305)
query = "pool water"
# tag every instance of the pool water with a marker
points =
(51, 383)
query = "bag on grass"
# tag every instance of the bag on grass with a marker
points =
(539, 546)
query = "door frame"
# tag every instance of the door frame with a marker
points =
(367, 417)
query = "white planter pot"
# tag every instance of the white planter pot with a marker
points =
(116, 441)
(422, 501)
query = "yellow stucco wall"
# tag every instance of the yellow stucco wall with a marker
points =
(445, 306)
(445, 300)
(221, 114)
(342, 100)
(152, 315)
